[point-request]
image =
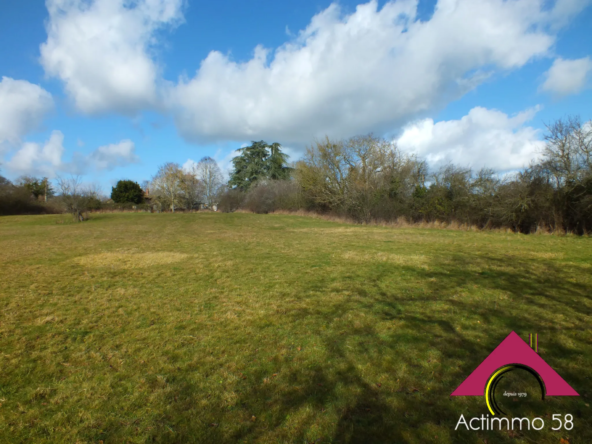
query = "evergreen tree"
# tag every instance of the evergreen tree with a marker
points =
(277, 169)
(37, 187)
(259, 161)
(127, 191)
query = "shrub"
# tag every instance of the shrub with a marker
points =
(112, 206)
(260, 199)
(231, 200)
(272, 195)
(17, 200)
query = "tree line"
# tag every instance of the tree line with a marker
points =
(172, 188)
(363, 178)
(366, 179)
(28, 195)
(202, 185)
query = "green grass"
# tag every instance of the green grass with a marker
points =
(222, 328)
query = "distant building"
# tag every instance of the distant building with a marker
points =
(147, 197)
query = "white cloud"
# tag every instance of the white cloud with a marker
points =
(47, 159)
(189, 165)
(22, 107)
(567, 76)
(372, 70)
(483, 138)
(35, 159)
(110, 156)
(102, 50)
(225, 161)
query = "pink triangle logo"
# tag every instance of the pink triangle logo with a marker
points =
(513, 350)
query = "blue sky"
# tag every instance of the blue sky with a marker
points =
(111, 89)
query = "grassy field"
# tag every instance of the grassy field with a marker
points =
(221, 328)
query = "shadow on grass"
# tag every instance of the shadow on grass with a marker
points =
(407, 410)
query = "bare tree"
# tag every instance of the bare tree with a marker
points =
(358, 176)
(568, 152)
(76, 197)
(208, 172)
(167, 185)
(323, 173)
(193, 188)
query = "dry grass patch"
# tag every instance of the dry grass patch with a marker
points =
(536, 255)
(543, 255)
(410, 260)
(328, 230)
(46, 320)
(129, 261)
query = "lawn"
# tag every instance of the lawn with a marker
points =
(223, 328)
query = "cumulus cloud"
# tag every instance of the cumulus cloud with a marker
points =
(110, 156)
(567, 76)
(35, 159)
(189, 165)
(371, 70)
(225, 162)
(102, 51)
(482, 138)
(22, 108)
(47, 159)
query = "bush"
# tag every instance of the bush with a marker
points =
(112, 206)
(260, 199)
(269, 196)
(231, 200)
(17, 200)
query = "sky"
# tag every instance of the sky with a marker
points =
(112, 89)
